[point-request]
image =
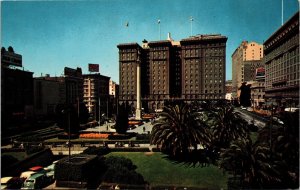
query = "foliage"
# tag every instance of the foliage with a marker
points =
(245, 96)
(121, 170)
(179, 130)
(122, 119)
(83, 113)
(143, 137)
(66, 115)
(33, 149)
(284, 142)
(250, 162)
(226, 126)
(99, 151)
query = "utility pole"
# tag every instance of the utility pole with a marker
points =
(99, 110)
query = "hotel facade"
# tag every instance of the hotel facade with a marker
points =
(190, 69)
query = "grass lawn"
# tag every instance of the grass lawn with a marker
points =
(159, 171)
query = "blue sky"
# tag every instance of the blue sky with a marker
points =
(51, 35)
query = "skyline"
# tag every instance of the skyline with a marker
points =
(82, 32)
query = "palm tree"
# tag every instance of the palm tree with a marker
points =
(226, 126)
(284, 143)
(250, 162)
(179, 131)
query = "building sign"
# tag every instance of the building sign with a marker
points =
(93, 67)
(260, 73)
(10, 58)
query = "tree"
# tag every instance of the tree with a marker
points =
(226, 126)
(83, 113)
(122, 120)
(66, 115)
(179, 131)
(284, 142)
(245, 96)
(250, 162)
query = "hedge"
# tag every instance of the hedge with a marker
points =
(79, 168)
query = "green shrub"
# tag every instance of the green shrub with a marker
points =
(121, 170)
(33, 149)
(99, 151)
(143, 137)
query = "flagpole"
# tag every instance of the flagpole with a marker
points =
(191, 19)
(281, 12)
(159, 33)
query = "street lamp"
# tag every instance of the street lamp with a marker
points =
(67, 111)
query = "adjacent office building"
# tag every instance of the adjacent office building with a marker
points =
(190, 69)
(245, 60)
(282, 64)
(96, 94)
(16, 89)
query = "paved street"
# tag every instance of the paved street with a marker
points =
(107, 128)
(248, 116)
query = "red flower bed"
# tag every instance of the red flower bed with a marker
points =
(94, 136)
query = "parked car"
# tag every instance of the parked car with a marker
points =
(26, 174)
(11, 183)
(36, 181)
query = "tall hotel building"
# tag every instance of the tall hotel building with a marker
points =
(245, 60)
(282, 64)
(190, 69)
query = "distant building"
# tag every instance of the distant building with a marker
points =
(191, 69)
(112, 88)
(282, 64)
(96, 92)
(228, 90)
(52, 91)
(48, 93)
(257, 92)
(16, 90)
(74, 85)
(245, 59)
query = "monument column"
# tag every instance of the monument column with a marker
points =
(138, 112)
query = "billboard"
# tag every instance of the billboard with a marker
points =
(260, 73)
(10, 58)
(93, 67)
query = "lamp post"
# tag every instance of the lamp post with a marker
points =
(271, 126)
(67, 111)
